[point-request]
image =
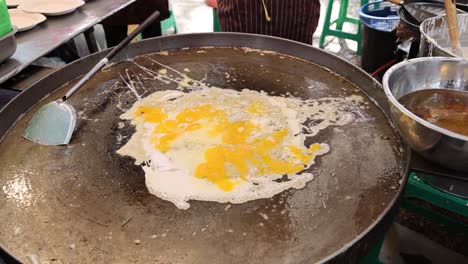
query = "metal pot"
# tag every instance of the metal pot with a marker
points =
(8, 45)
(410, 32)
(461, 4)
(436, 144)
(410, 22)
(435, 39)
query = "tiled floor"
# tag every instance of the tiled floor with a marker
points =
(192, 16)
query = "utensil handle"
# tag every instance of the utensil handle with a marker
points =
(396, 2)
(111, 54)
(452, 21)
(132, 35)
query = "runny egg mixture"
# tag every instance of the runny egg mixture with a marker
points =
(228, 146)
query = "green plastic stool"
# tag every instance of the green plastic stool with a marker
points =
(169, 23)
(216, 25)
(342, 18)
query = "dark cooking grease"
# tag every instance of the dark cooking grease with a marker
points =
(442, 107)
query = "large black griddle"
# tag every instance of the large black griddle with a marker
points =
(84, 203)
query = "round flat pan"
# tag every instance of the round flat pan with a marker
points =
(85, 203)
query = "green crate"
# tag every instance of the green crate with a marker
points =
(416, 188)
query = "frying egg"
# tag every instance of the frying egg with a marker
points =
(223, 145)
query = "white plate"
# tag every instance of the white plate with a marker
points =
(50, 7)
(13, 3)
(23, 20)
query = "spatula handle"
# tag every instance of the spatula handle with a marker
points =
(452, 21)
(132, 35)
(111, 54)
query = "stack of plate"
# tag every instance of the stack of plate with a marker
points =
(23, 20)
(13, 3)
(30, 13)
(50, 7)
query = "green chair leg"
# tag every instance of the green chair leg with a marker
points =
(326, 24)
(216, 25)
(338, 30)
(342, 15)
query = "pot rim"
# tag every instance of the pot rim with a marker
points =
(432, 41)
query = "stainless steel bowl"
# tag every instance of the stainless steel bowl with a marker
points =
(435, 39)
(7, 45)
(436, 144)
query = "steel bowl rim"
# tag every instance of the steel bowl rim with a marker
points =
(432, 41)
(407, 112)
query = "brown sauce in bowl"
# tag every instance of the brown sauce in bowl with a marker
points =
(442, 107)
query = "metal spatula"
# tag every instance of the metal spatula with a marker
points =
(54, 123)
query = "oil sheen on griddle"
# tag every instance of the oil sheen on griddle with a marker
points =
(442, 107)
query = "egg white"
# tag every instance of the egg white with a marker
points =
(170, 175)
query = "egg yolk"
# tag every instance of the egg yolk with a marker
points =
(229, 163)
(256, 108)
(150, 114)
